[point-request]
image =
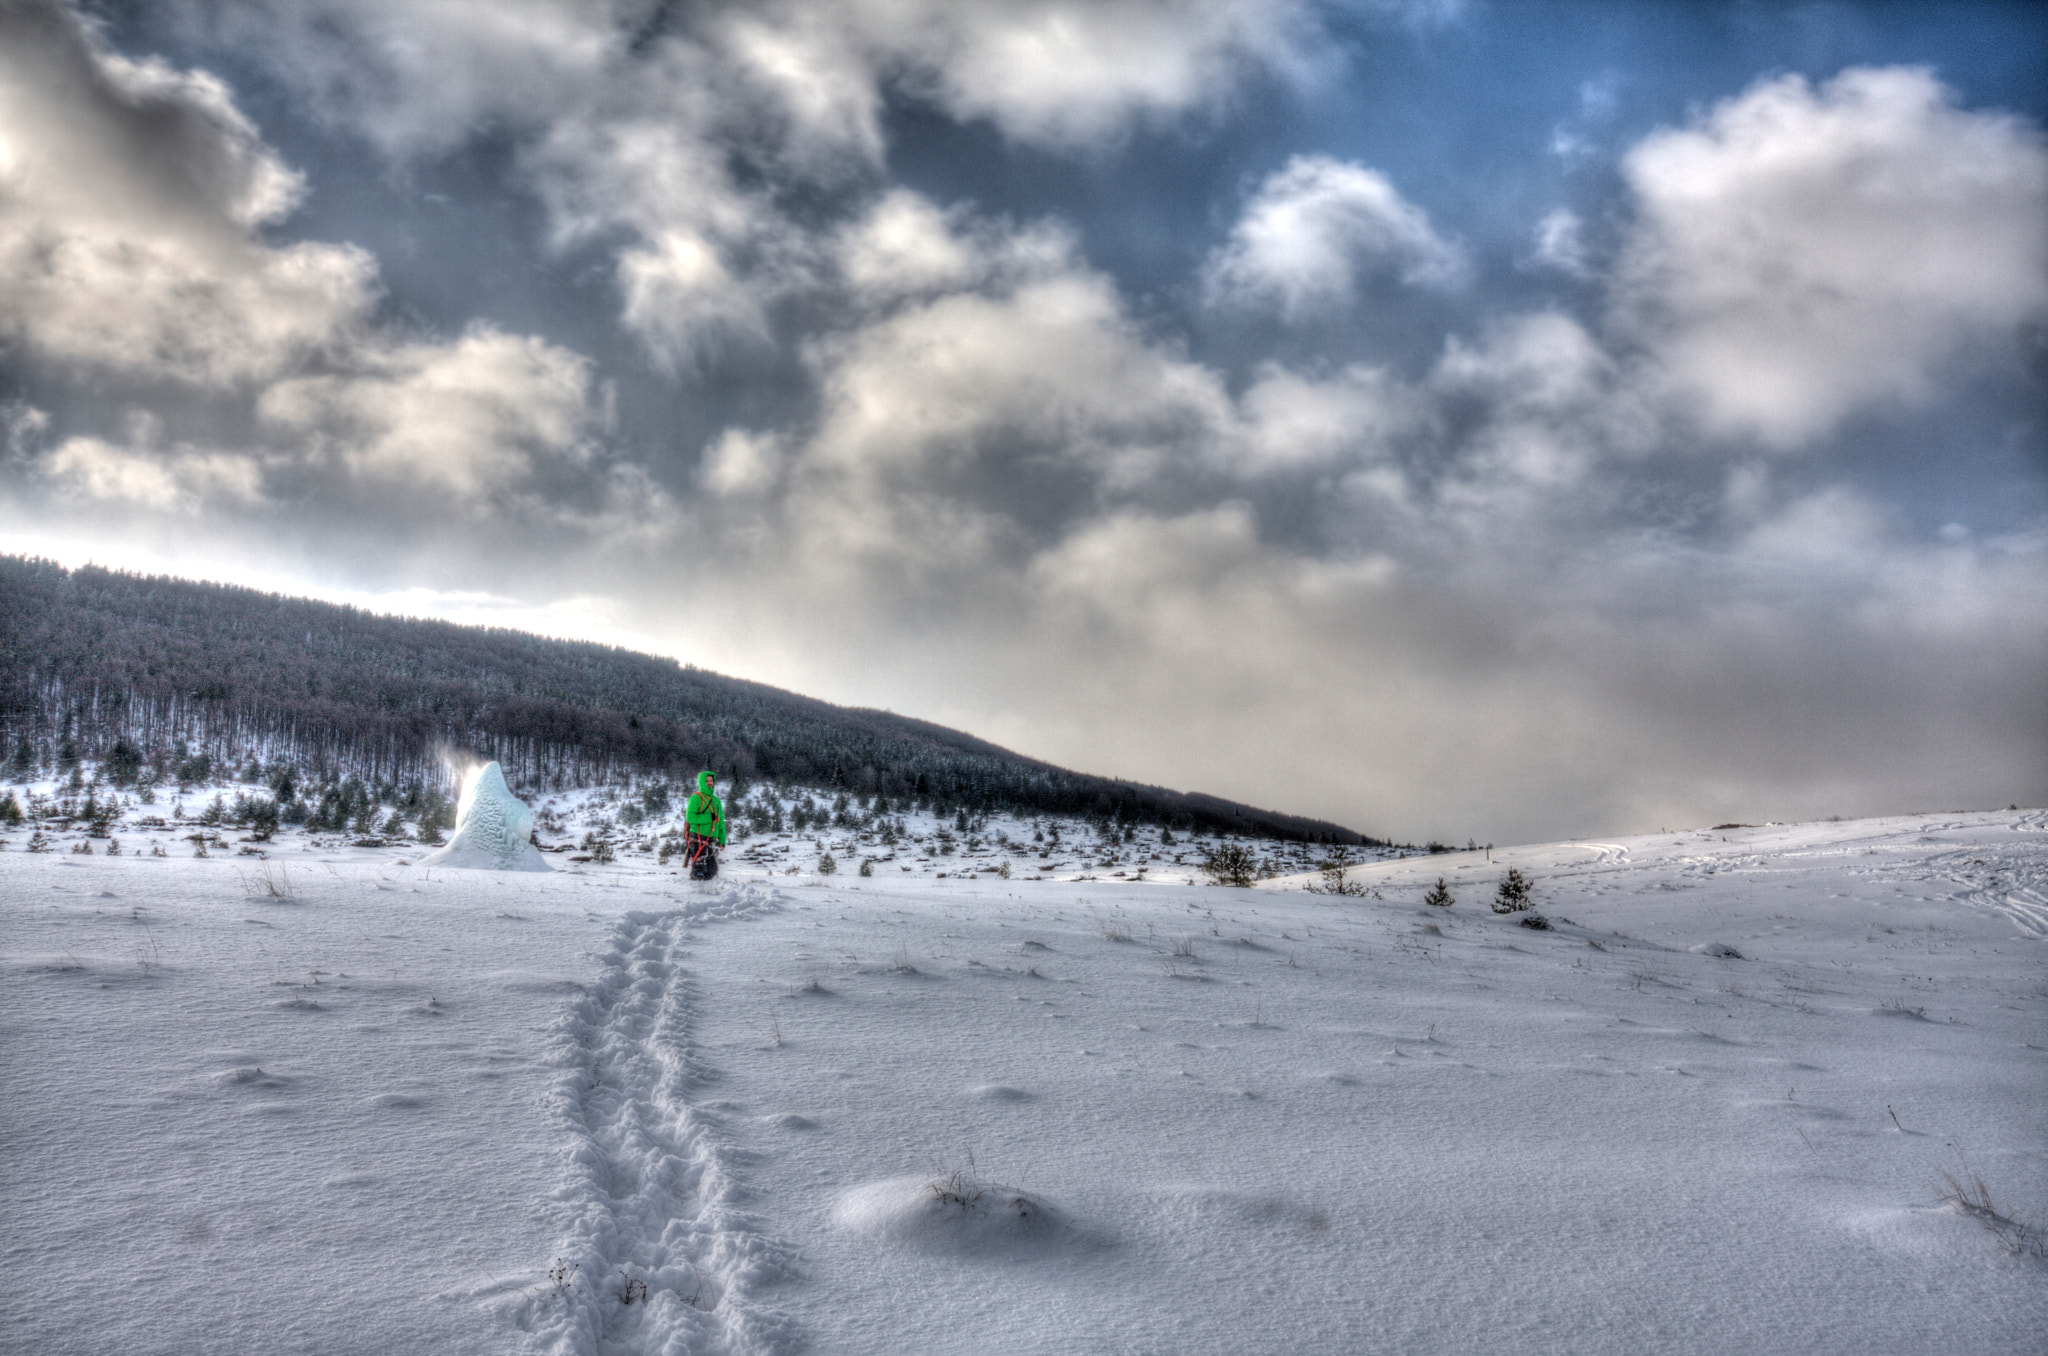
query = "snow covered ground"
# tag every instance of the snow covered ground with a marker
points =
(327, 1102)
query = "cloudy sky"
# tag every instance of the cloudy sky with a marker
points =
(1508, 420)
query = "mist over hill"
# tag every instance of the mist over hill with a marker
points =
(158, 678)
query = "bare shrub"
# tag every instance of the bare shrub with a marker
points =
(268, 885)
(1969, 1195)
(1335, 871)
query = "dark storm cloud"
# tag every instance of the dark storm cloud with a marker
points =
(1543, 517)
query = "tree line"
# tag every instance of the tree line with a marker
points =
(156, 672)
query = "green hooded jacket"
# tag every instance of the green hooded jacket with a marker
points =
(704, 813)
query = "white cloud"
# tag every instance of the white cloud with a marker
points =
(908, 245)
(129, 198)
(488, 412)
(1294, 421)
(743, 462)
(422, 76)
(1560, 242)
(182, 479)
(1543, 360)
(684, 300)
(130, 257)
(905, 246)
(1052, 372)
(1071, 73)
(418, 76)
(1801, 253)
(818, 80)
(1318, 229)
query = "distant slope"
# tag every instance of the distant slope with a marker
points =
(97, 656)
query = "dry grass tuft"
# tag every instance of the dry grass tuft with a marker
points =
(1969, 1195)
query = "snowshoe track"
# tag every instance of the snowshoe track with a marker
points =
(658, 1258)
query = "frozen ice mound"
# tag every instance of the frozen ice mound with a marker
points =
(958, 1214)
(493, 828)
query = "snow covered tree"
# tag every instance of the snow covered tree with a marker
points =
(1440, 895)
(1513, 895)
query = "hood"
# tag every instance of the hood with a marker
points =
(704, 781)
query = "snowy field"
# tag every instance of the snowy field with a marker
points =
(328, 1102)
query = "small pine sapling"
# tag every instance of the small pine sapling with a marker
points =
(1513, 894)
(1336, 875)
(1230, 864)
(1440, 895)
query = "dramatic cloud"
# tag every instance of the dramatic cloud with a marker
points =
(130, 194)
(132, 253)
(685, 127)
(1803, 252)
(421, 76)
(1343, 498)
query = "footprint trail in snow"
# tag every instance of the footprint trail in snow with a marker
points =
(660, 1256)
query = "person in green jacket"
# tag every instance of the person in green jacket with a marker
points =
(703, 827)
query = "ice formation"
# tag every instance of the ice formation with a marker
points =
(493, 828)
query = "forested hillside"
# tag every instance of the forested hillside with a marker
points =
(152, 676)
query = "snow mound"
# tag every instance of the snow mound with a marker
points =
(1721, 949)
(999, 1092)
(493, 828)
(959, 1215)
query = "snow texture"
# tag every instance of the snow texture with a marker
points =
(331, 1102)
(493, 828)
